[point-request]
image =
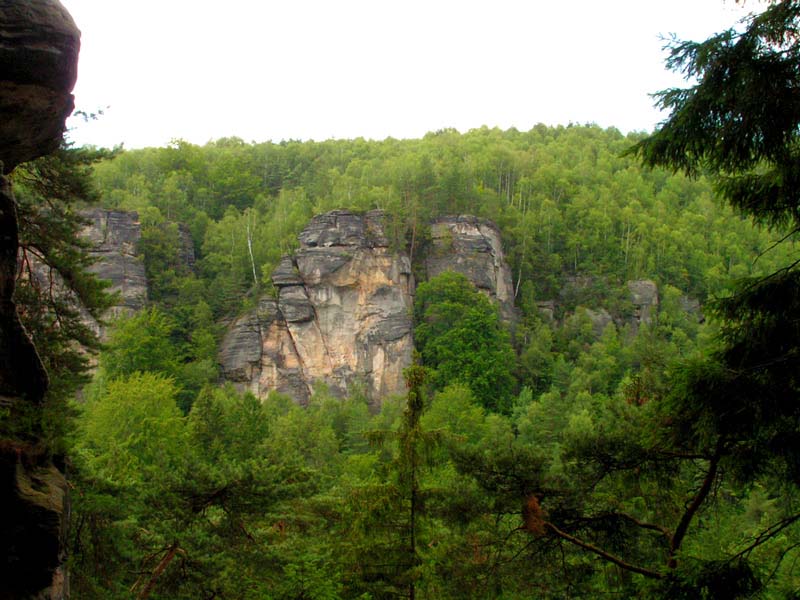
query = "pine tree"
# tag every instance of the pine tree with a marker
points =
(385, 519)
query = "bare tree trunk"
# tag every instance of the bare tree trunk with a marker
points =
(250, 249)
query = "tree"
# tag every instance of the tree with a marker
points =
(141, 343)
(741, 123)
(134, 426)
(730, 416)
(55, 292)
(460, 338)
(383, 521)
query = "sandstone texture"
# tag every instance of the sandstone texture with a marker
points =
(114, 236)
(342, 317)
(38, 66)
(39, 46)
(472, 246)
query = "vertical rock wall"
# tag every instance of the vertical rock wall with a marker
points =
(115, 236)
(472, 246)
(342, 317)
(38, 65)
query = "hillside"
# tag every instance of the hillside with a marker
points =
(554, 291)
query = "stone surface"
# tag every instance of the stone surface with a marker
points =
(600, 319)
(114, 236)
(38, 65)
(342, 317)
(39, 46)
(692, 307)
(472, 246)
(644, 297)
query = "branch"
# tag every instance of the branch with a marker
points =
(769, 533)
(775, 244)
(160, 567)
(603, 554)
(644, 525)
(691, 510)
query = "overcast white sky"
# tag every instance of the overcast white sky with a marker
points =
(318, 69)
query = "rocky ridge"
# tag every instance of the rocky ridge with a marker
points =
(342, 316)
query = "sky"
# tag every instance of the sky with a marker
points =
(275, 70)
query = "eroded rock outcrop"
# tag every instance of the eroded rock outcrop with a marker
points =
(114, 236)
(472, 246)
(644, 297)
(38, 65)
(342, 316)
(39, 46)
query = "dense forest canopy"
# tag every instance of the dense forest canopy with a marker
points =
(555, 455)
(557, 484)
(565, 199)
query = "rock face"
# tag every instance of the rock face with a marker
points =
(38, 65)
(39, 46)
(644, 297)
(600, 319)
(342, 317)
(115, 237)
(472, 246)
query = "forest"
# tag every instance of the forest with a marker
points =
(547, 456)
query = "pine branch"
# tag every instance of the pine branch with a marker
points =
(603, 554)
(768, 534)
(691, 510)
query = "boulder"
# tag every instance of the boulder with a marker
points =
(39, 46)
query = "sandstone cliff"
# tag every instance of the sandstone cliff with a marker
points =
(114, 236)
(342, 316)
(472, 246)
(343, 312)
(38, 65)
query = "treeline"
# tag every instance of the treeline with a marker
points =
(567, 200)
(547, 462)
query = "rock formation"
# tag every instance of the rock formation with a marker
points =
(39, 46)
(644, 297)
(114, 236)
(38, 65)
(342, 316)
(472, 246)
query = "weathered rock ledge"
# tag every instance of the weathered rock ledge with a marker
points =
(342, 317)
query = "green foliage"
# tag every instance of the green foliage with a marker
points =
(150, 341)
(460, 338)
(618, 470)
(134, 426)
(55, 292)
